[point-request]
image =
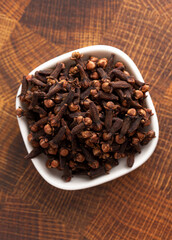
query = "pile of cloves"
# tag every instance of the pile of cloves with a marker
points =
(85, 117)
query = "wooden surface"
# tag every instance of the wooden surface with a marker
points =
(137, 206)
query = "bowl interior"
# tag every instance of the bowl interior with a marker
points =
(53, 176)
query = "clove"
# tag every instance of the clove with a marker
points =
(86, 126)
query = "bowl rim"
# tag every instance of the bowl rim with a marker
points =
(105, 178)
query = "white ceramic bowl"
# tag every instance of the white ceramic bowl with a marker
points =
(53, 176)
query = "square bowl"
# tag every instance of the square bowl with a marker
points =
(53, 176)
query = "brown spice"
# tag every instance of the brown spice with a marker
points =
(54, 164)
(79, 157)
(94, 75)
(131, 112)
(119, 65)
(138, 94)
(48, 103)
(91, 65)
(102, 62)
(44, 142)
(105, 147)
(120, 140)
(86, 124)
(64, 152)
(19, 112)
(130, 160)
(94, 164)
(95, 116)
(87, 121)
(48, 129)
(108, 167)
(96, 151)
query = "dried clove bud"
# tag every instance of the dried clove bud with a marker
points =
(97, 151)
(94, 164)
(134, 125)
(55, 88)
(55, 73)
(91, 65)
(118, 74)
(59, 115)
(85, 81)
(87, 121)
(86, 93)
(106, 87)
(24, 88)
(108, 167)
(94, 138)
(54, 163)
(42, 121)
(145, 88)
(72, 165)
(119, 84)
(88, 156)
(130, 160)
(79, 157)
(64, 152)
(110, 63)
(120, 140)
(95, 116)
(78, 58)
(131, 112)
(125, 126)
(141, 136)
(34, 153)
(78, 128)
(86, 134)
(117, 155)
(94, 75)
(120, 93)
(150, 134)
(73, 107)
(107, 136)
(52, 151)
(94, 59)
(79, 119)
(142, 113)
(40, 77)
(67, 174)
(45, 72)
(93, 92)
(19, 112)
(108, 119)
(58, 98)
(138, 94)
(126, 72)
(93, 173)
(107, 96)
(58, 137)
(96, 84)
(49, 103)
(116, 126)
(102, 62)
(36, 82)
(119, 65)
(104, 76)
(48, 129)
(105, 147)
(44, 142)
(134, 104)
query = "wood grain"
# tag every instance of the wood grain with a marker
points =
(134, 207)
(7, 25)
